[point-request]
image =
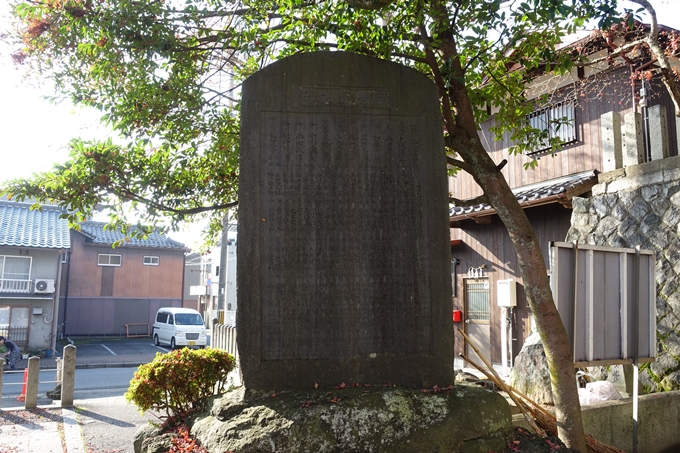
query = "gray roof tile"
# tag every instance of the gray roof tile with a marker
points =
(532, 193)
(22, 227)
(97, 234)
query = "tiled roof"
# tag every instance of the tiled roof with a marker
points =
(551, 190)
(22, 227)
(98, 235)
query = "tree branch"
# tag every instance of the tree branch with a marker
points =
(458, 163)
(125, 193)
(482, 199)
(668, 77)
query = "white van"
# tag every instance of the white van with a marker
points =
(179, 327)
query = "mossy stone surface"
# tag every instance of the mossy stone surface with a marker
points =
(384, 419)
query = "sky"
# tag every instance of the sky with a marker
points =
(34, 132)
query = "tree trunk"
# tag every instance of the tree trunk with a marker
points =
(667, 75)
(465, 140)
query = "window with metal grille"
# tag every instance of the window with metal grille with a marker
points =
(14, 324)
(559, 120)
(15, 273)
(477, 297)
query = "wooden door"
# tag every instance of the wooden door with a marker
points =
(477, 318)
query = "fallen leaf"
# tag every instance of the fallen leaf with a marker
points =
(335, 400)
(316, 385)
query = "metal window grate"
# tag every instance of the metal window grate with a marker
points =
(477, 301)
(18, 335)
(559, 120)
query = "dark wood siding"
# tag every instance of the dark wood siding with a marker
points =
(490, 244)
(611, 92)
(107, 282)
(130, 280)
(100, 300)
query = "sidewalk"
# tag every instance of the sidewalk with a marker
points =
(44, 436)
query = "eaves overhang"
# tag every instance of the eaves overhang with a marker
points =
(558, 190)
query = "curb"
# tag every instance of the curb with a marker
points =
(98, 365)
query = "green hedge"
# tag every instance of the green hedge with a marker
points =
(173, 384)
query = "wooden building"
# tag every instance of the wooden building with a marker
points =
(104, 288)
(482, 253)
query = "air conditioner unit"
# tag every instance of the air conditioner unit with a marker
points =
(43, 286)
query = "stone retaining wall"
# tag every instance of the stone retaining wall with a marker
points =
(640, 205)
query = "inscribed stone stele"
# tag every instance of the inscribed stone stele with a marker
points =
(343, 266)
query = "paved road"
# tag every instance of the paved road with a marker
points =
(90, 383)
(103, 372)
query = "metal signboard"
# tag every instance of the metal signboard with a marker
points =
(610, 293)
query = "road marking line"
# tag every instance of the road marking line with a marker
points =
(112, 353)
(72, 432)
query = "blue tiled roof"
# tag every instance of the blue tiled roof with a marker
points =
(98, 235)
(562, 187)
(22, 227)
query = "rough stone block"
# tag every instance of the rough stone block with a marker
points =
(658, 132)
(611, 141)
(610, 176)
(633, 150)
(356, 420)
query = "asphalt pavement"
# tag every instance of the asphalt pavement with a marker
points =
(101, 421)
(106, 352)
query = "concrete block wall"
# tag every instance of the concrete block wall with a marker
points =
(611, 422)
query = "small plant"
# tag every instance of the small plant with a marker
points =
(34, 352)
(174, 383)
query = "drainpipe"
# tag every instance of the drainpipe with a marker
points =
(454, 265)
(223, 264)
(68, 279)
(55, 305)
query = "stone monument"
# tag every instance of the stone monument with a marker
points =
(343, 266)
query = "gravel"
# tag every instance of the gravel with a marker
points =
(30, 416)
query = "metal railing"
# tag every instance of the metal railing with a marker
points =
(18, 335)
(139, 329)
(15, 286)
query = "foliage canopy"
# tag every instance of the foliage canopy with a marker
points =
(166, 76)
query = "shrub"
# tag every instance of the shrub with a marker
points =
(176, 382)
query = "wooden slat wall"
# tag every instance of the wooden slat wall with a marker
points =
(489, 244)
(131, 280)
(585, 154)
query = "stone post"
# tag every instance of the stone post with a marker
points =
(612, 157)
(68, 376)
(658, 132)
(633, 147)
(32, 384)
(59, 368)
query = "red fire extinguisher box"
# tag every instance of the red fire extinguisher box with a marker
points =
(457, 315)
